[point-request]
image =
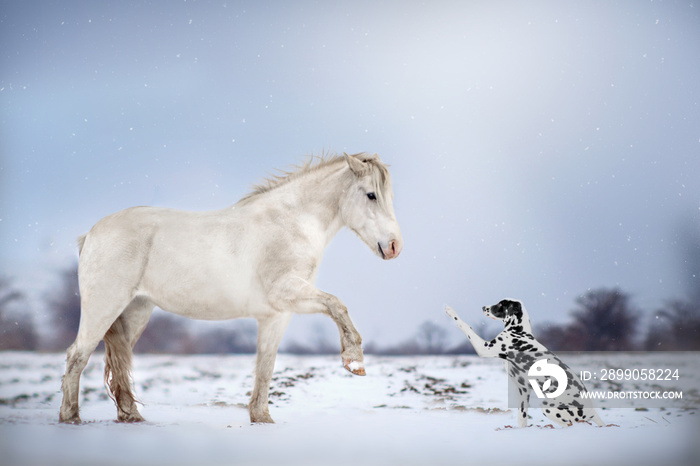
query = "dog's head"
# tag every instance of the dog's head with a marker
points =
(510, 311)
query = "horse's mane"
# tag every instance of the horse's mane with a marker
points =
(314, 163)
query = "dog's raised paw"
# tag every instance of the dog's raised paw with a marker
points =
(451, 312)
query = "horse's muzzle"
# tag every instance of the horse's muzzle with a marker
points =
(392, 251)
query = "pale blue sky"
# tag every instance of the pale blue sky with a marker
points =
(538, 149)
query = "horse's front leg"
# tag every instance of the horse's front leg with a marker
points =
(270, 332)
(303, 298)
(350, 339)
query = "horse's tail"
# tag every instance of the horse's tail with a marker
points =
(81, 242)
(118, 365)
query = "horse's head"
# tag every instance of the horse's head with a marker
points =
(367, 206)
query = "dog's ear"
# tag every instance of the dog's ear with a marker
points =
(515, 308)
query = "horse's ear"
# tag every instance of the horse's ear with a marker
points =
(358, 167)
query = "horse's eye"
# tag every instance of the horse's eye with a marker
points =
(371, 196)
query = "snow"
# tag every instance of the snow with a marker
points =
(438, 410)
(355, 366)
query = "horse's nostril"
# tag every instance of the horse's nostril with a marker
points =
(393, 247)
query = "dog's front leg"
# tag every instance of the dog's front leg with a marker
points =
(523, 402)
(482, 347)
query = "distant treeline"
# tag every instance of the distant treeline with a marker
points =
(602, 320)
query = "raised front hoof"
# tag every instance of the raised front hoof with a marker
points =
(130, 417)
(356, 367)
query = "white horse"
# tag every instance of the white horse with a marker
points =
(257, 258)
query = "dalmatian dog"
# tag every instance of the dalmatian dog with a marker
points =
(531, 366)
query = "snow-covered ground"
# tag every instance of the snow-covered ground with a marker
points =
(406, 411)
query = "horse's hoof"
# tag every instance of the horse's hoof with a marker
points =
(75, 420)
(261, 420)
(136, 417)
(356, 367)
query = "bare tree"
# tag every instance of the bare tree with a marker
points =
(407, 347)
(16, 328)
(561, 337)
(8, 294)
(690, 252)
(606, 320)
(676, 328)
(431, 337)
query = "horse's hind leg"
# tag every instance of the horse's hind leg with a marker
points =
(77, 358)
(270, 332)
(119, 343)
(92, 328)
